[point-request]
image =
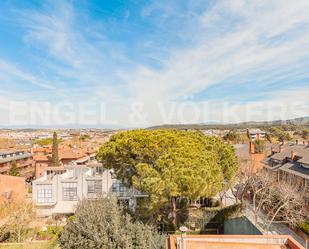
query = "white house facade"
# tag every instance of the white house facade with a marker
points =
(60, 193)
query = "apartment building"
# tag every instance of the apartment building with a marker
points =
(24, 162)
(60, 193)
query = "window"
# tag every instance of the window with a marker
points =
(69, 191)
(99, 170)
(94, 186)
(44, 193)
(122, 188)
(119, 187)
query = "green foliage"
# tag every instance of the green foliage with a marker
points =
(55, 157)
(14, 170)
(279, 133)
(232, 136)
(284, 136)
(102, 224)
(45, 141)
(304, 226)
(199, 219)
(169, 164)
(51, 232)
(84, 137)
(305, 133)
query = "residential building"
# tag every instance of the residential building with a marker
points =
(247, 155)
(232, 242)
(43, 157)
(24, 162)
(256, 134)
(60, 193)
(12, 188)
(290, 163)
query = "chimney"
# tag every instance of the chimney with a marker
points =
(293, 154)
(251, 148)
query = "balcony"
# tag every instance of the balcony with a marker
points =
(129, 193)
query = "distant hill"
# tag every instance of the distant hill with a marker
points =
(302, 121)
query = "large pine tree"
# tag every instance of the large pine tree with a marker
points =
(170, 165)
(55, 157)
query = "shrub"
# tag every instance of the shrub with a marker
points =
(102, 224)
(51, 232)
(304, 226)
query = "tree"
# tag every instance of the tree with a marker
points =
(289, 205)
(232, 136)
(102, 224)
(284, 136)
(262, 192)
(84, 137)
(55, 157)
(305, 133)
(170, 165)
(281, 202)
(14, 170)
(245, 175)
(14, 219)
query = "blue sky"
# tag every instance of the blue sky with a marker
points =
(140, 63)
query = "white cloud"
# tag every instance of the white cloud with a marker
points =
(250, 41)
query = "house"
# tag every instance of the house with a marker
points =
(43, 157)
(256, 134)
(24, 162)
(12, 188)
(231, 242)
(247, 155)
(290, 163)
(60, 193)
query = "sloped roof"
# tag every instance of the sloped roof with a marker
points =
(296, 169)
(301, 150)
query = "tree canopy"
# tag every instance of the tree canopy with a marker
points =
(55, 157)
(14, 169)
(169, 164)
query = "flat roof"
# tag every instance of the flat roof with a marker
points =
(231, 242)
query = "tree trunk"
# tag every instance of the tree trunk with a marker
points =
(174, 213)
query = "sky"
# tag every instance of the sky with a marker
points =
(136, 63)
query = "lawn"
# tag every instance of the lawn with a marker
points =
(33, 245)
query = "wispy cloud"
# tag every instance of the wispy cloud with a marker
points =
(10, 71)
(181, 54)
